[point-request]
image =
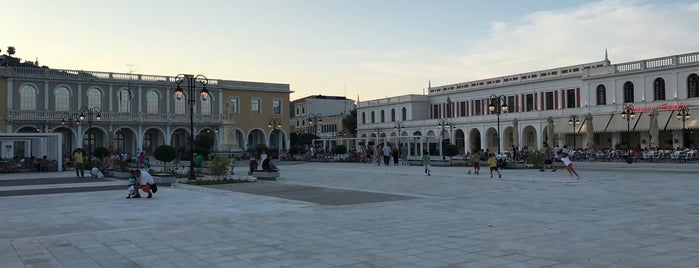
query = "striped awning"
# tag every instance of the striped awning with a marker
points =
(642, 122)
(619, 124)
(600, 122)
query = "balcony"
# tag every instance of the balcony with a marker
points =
(115, 117)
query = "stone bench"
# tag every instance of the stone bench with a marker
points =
(265, 175)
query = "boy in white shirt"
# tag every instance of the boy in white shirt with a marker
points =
(569, 165)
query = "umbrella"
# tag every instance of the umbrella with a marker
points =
(515, 133)
(654, 130)
(589, 131)
(549, 131)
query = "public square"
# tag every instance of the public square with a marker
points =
(363, 215)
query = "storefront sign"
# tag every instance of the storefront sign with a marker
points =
(663, 107)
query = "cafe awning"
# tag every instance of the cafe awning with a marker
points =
(676, 124)
(642, 122)
(600, 122)
(619, 124)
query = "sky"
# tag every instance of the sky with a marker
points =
(366, 49)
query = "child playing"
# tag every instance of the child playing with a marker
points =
(94, 172)
(476, 162)
(426, 162)
(493, 163)
(569, 165)
(132, 188)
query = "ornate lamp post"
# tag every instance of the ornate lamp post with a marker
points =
(314, 119)
(378, 132)
(444, 124)
(274, 124)
(87, 113)
(683, 114)
(628, 114)
(498, 105)
(191, 82)
(574, 121)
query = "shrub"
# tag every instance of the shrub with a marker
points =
(165, 153)
(219, 166)
(536, 158)
(451, 150)
(340, 149)
(100, 152)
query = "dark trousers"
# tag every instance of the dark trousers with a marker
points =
(386, 159)
(80, 170)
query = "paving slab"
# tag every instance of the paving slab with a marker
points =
(618, 215)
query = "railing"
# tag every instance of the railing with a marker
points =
(57, 116)
(136, 78)
(684, 59)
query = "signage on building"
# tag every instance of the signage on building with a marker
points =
(663, 107)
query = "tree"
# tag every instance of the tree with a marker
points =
(165, 153)
(451, 150)
(340, 149)
(203, 144)
(219, 166)
(100, 152)
(349, 123)
(11, 50)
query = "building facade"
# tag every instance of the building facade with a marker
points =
(136, 112)
(321, 115)
(579, 106)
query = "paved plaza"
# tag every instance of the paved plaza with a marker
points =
(361, 215)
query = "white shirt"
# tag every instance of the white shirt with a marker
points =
(146, 178)
(566, 161)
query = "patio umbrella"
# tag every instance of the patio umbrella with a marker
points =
(549, 131)
(589, 131)
(515, 133)
(654, 130)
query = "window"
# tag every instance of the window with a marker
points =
(256, 106)
(511, 104)
(373, 117)
(383, 116)
(363, 118)
(435, 111)
(179, 104)
(659, 89)
(27, 97)
(124, 99)
(393, 115)
(152, 102)
(478, 107)
(235, 105)
(570, 98)
(549, 101)
(462, 108)
(529, 101)
(601, 95)
(628, 92)
(205, 104)
(404, 114)
(62, 99)
(693, 86)
(277, 107)
(94, 98)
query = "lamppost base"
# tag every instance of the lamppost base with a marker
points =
(629, 160)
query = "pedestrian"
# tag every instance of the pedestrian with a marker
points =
(493, 163)
(377, 155)
(404, 154)
(569, 165)
(78, 162)
(145, 181)
(547, 159)
(476, 162)
(426, 162)
(386, 154)
(396, 156)
(132, 187)
(252, 164)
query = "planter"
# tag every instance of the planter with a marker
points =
(164, 178)
(120, 174)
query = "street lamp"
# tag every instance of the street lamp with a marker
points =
(399, 126)
(628, 114)
(683, 114)
(314, 119)
(86, 113)
(192, 81)
(444, 124)
(378, 132)
(274, 122)
(574, 121)
(498, 105)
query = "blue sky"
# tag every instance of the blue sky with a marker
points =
(370, 49)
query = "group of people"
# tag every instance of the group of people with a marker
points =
(387, 154)
(267, 164)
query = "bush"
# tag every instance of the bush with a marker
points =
(219, 166)
(451, 150)
(100, 152)
(165, 153)
(340, 149)
(536, 158)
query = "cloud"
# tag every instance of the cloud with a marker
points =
(548, 39)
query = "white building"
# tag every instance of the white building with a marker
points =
(591, 96)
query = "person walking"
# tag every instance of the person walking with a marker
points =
(78, 162)
(386, 154)
(547, 159)
(396, 156)
(476, 157)
(569, 165)
(493, 163)
(404, 154)
(426, 162)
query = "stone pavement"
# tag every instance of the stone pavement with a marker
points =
(618, 215)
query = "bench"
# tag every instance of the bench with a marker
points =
(265, 175)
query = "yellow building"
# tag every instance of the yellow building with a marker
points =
(138, 112)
